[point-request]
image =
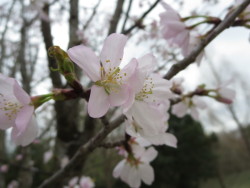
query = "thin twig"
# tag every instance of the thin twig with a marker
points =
(92, 15)
(81, 155)
(112, 145)
(127, 15)
(139, 21)
(116, 17)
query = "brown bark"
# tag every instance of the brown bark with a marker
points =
(116, 17)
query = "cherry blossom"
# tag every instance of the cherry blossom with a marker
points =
(13, 184)
(4, 168)
(17, 111)
(174, 29)
(147, 113)
(86, 182)
(225, 94)
(189, 104)
(136, 168)
(110, 82)
(82, 182)
(47, 156)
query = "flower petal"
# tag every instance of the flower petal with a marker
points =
(27, 136)
(112, 51)
(86, 59)
(134, 178)
(120, 97)
(118, 169)
(98, 104)
(179, 109)
(149, 155)
(147, 63)
(146, 173)
(20, 94)
(23, 118)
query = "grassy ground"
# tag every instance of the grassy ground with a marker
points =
(239, 180)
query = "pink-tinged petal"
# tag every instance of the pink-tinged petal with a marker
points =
(147, 174)
(147, 118)
(172, 29)
(6, 84)
(179, 109)
(23, 118)
(134, 179)
(198, 102)
(5, 122)
(165, 17)
(120, 97)
(163, 139)
(194, 113)
(112, 51)
(73, 181)
(161, 90)
(149, 155)
(86, 59)
(133, 77)
(169, 8)
(129, 72)
(118, 169)
(21, 95)
(125, 172)
(156, 140)
(147, 63)
(98, 104)
(27, 136)
(127, 105)
(227, 93)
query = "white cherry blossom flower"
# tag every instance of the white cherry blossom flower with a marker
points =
(189, 104)
(133, 170)
(17, 111)
(110, 82)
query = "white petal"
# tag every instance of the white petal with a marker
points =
(23, 118)
(6, 95)
(118, 169)
(149, 155)
(112, 51)
(194, 113)
(227, 93)
(86, 59)
(146, 173)
(179, 109)
(27, 136)
(148, 118)
(20, 94)
(199, 103)
(147, 63)
(98, 104)
(134, 179)
(125, 172)
(120, 97)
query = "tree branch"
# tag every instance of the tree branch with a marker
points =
(127, 15)
(139, 21)
(81, 155)
(92, 15)
(176, 68)
(116, 17)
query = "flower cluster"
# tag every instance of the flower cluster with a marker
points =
(175, 31)
(82, 182)
(135, 166)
